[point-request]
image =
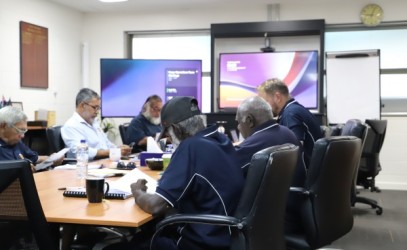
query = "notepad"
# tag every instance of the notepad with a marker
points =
(81, 193)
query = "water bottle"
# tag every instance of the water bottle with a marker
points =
(82, 157)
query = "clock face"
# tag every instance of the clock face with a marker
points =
(371, 15)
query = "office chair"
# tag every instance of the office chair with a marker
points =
(326, 213)
(56, 143)
(122, 129)
(354, 127)
(55, 139)
(258, 222)
(370, 166)
(19, 201)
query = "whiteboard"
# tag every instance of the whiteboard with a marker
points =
(353, 85)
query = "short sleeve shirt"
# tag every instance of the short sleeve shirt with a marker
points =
(203, 177)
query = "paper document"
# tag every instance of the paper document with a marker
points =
(107, 172)
(73, 166)
(58, 155)
(152, 146)
(123, 184)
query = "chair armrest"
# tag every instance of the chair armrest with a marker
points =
(218, 220)
(300, 190)
(297, 190)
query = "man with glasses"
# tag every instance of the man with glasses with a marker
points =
(83, 125)
(13, 126)
(145, 124)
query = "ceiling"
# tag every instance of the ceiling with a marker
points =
(94, 6)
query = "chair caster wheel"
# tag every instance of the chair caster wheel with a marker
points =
(379, 211)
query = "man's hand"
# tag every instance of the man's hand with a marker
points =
(125, 150)
(140, 185)
(58, 161)
(151, 203)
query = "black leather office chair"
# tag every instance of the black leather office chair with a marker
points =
(56, 143)
(355, 127)
(55, 139)
(258, 222)
(122, 129)
(19, 201)
(326, 208)
(370, 166)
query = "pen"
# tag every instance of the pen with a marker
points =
(22, 158)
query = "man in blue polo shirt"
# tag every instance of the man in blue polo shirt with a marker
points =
(145, 124)
(291, 114)
(203, 177)
(256, 124)
(13, 126)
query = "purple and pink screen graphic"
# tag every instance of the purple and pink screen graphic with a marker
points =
(241, 73)
(126, 83)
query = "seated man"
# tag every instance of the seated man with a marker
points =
(256, 124)
(82, 125)
(13, 126)
(202, 177)
(291, 114)
(145, 124)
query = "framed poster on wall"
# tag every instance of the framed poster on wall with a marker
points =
(34, 55)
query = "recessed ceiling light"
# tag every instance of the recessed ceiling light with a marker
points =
(112, 1)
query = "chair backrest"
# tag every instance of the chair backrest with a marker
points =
(355, 127)
(122, 129)
(55, 141)
(374, 141)
(263, 201)
(326, 211)
(19, 201)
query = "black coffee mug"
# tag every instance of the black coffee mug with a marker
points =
(94, 189)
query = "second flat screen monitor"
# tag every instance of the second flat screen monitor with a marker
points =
(126, 83)
(241, 73)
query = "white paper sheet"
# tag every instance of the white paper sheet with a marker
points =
(73, 166)
(152, 146)
(123, 184)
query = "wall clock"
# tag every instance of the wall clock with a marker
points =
(371, 15)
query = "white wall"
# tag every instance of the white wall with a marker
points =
(104, 34)
(64, 39)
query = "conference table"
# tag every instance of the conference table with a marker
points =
(73, 210)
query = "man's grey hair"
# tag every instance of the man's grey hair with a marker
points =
(189, 127)
(11, 115)
(255, 106)
(273, 85)
(85, 95)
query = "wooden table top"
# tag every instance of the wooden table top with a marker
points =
(60, 209)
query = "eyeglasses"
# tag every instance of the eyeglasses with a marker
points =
(19, 130)
(96, 108)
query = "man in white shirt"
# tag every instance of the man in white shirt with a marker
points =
(82, 125)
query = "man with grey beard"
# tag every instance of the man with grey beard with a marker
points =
(145, 124)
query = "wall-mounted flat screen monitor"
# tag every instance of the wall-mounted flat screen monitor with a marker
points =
(126, 83)
(241, 73)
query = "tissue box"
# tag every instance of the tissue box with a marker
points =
(146, 155)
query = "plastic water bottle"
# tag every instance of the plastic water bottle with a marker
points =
(82, 157)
